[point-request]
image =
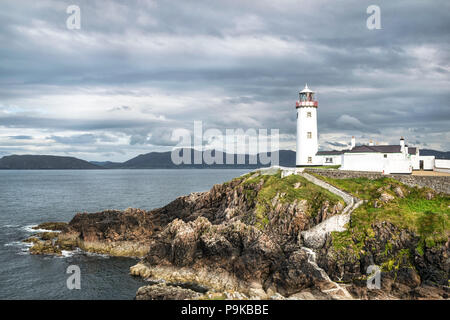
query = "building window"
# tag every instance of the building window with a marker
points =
(309, 159)
(309, 115)
(385, 155)
(309, 135)
(328, 160)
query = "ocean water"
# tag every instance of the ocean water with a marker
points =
(29, 197)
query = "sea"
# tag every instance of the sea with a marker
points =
(30, 197)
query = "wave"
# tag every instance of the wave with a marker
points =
(18, 244)
(93, 254)
(11, 226)
(29, 229)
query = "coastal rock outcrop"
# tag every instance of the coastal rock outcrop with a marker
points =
(242, 239)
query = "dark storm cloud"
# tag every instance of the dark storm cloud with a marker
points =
(337, 144)
(20, 137)
(231, 64)
(27, 121)
(82, 139)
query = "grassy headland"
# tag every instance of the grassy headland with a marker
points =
(420, 210)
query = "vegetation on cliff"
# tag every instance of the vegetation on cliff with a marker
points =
(398, 227)
(420, 210)
(275, 191)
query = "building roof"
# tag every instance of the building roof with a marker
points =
(381, 149)
(368, 149)
(330, 153)
(306, 89)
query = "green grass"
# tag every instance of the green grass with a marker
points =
(337, 166)
(274, 184)
(429, 219)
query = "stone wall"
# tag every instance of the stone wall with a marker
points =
(347, 197)
(438, 183)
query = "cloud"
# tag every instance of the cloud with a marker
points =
(139, 139)
(337, 144)
(121, 108)
(21, 137)
(346, 122)
(82, 139)
(137, 70)
(157, 137)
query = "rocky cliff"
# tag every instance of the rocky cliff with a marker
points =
(242, 239)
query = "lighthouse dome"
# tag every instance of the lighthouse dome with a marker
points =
(306, 90)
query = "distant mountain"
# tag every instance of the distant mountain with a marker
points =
(437, 154)
(158, 160)
(107, 164)
(44, 162)
(163, 160)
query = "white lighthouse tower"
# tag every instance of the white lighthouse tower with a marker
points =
(307, 145)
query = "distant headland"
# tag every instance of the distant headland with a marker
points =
(152, 160)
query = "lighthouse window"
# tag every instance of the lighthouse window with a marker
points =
(328, 160)
(308, 114)
(309, 135)
(309, 159)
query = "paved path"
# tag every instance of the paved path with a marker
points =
(316, 236)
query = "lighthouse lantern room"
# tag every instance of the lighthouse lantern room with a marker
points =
(307, 144)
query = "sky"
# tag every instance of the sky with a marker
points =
(136, 73)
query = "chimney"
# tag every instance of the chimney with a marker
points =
(370, 142)
(402, 145)
(353, 142)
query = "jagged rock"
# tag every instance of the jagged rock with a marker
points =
(386, 197)
(399, 192)
(45, 247)
(47, 235)
(409, 274)
(54, 226)
(256, 174)
(222, 241)
(165, 292)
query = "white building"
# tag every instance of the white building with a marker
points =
(374, 158)
(424, 163)
(379, 158)
(329, 158)
(307, 145)
(442, 165)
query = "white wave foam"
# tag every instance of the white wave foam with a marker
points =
(18, 244)
(66, 253)
(93, 254)
(30, 229)
(11, 226)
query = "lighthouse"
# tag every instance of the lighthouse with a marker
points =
(307, 145)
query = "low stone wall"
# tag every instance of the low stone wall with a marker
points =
(437, 183)
(347, 197)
